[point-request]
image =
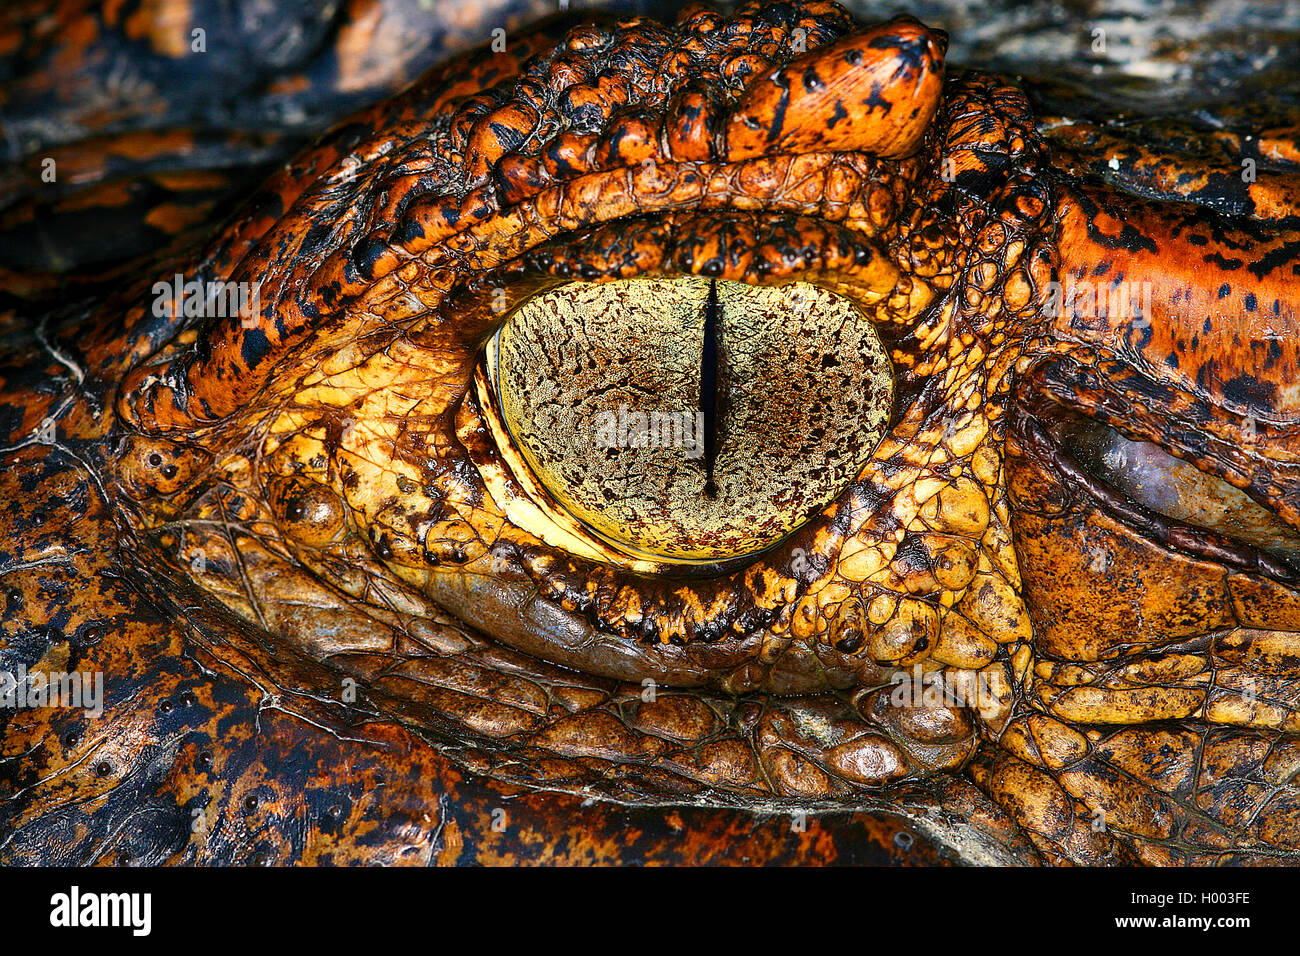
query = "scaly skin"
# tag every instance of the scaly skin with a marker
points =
(308, 567)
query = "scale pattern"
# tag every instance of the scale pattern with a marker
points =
(291, 545)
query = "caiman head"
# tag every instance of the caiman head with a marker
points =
(740, 411)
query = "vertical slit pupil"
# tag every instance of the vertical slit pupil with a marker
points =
(709, 387)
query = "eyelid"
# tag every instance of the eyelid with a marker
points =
(1177, 489)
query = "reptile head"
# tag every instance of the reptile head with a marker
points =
(783, 149)
(377, 461)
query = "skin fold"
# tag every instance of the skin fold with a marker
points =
(340, 620)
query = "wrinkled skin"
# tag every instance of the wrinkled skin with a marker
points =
(295, 550)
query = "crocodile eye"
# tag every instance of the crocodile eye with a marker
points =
(1176, 489)
(687, 419)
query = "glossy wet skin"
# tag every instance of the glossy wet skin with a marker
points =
(333, 473)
